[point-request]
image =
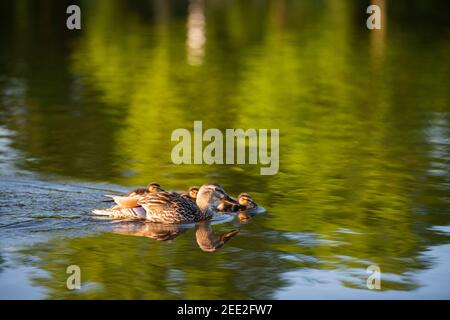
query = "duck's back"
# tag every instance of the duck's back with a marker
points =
(169, 207)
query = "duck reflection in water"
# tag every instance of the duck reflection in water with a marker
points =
(207, 240)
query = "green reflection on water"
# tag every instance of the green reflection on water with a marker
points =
(363, 119)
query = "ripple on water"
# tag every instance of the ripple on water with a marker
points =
(309, 239)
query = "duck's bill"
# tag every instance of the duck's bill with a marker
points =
(228, 200)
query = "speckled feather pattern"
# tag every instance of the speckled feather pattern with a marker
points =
(170, 207)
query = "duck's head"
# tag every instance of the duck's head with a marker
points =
(193, 191)
(211, 195)
(246, 201)
(154, 187)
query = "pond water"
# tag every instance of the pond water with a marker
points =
(364, 147)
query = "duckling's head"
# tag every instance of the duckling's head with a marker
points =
(246, 201)
(193, 191)
(154, 187)
(211, 195)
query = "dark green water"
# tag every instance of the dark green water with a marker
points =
(364, 146)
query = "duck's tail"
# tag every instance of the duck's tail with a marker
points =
(116, 212)
(124, 202)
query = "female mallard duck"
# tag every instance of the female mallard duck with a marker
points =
(170, 207)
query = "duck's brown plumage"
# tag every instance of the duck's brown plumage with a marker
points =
(170, 207)
(138, 192)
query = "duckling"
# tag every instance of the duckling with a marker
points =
(170, 207)
(191, 194)
(193, 191)
(226, 207)
(151, 188)
(246, 202)
(154, 187)
(229, 206)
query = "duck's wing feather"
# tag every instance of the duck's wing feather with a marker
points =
(117, 212)
(169, 207)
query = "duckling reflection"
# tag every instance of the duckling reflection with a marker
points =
(207, 240)
(245, 216)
